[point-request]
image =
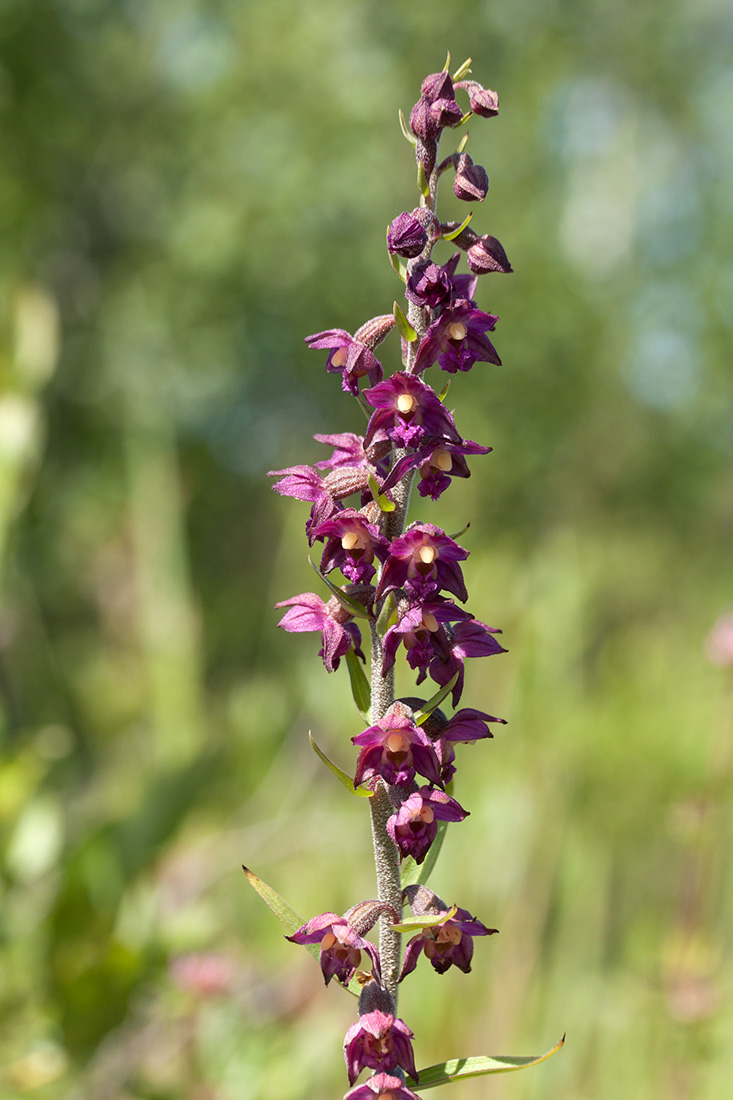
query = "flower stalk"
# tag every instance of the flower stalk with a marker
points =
(404, 579)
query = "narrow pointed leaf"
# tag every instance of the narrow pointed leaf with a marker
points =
(424, 713)
(422, 183)
(462, 143)
(360, 689)
(444, 392)
(388, 614)
(290, 919)
(399, 267)
(457, 1069)
(352, 606)
(338, 772)
(404, 325)
(446, 67)
(455, 232)
(406, 133)
(414, 924)
(463, 70)
(385, 504)
(417, 874)
(279, 906)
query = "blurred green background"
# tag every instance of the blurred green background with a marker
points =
(187, 189)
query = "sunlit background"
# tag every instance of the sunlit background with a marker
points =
(187, 189)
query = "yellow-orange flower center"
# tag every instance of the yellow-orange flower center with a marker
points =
(427, 815)
(405, 403)
(457, 331)
(339, 357)
(395, 741)
(351, 540)
(427, 554)
(328, 941)
(430, 622)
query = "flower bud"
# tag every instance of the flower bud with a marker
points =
(406, 236)
(483, 101)
(471, 182)
(486, 255)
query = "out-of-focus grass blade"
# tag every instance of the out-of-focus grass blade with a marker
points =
(459, 1068)
(340, 775)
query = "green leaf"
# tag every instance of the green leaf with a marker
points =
(462, 143)
(457, 1069)
(412, 924)
(279, 906)
(360, 688)
(388, 614)
(463, 70)
(406, 133)
(338, 772)
(455, 232)
(404, 325)
(422, 183)
(444, 392)
(289, 918)
(352, 606)
(385, 504)
(399, 267)
(425, 711)
(417, 874)
(447, 62)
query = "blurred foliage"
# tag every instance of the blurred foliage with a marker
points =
(187, 188)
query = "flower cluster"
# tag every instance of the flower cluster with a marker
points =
(405, 584)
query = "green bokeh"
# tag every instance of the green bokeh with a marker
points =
(187, 190)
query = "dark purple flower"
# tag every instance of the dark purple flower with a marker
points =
(338, 633)
(465, 639)
(424, 561)
(456, 339)
(378, 1041)
(447, 944)
(351, 546)
(382, 1086)
(487, 254)
(341, 946)
(353, 355)
(462, 285)
(428, 285)
(417, 627)
(437, 463)
(406, 236)
(471, 182)
(408, 413)
(414, 826)
(395, 749)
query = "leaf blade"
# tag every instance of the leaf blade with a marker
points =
(458, 1069)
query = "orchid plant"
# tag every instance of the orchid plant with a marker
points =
(404, 584)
